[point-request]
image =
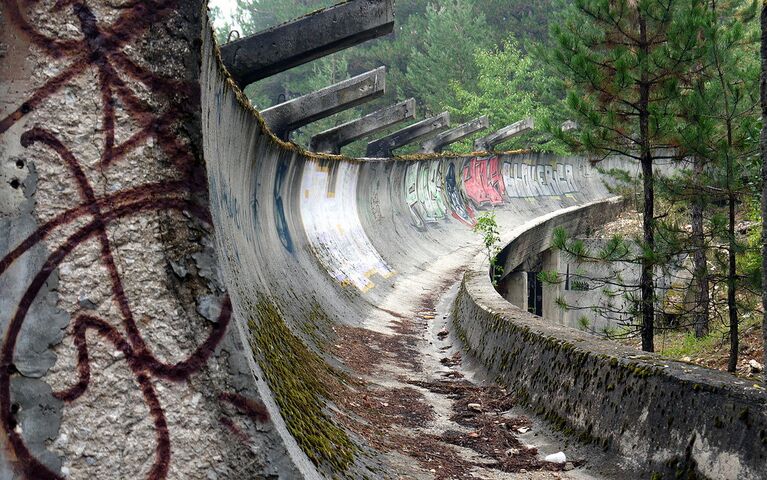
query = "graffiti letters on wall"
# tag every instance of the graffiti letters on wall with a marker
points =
(100, 52)
(524, 180)
(332, 223)
(438, 187)
(483, 182)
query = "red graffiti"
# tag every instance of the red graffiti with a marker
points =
(483, 182)
(101, 51)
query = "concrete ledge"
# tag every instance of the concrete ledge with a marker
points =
(669, 419)
(320, 33)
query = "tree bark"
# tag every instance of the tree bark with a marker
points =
(646, 159)
(763, 145)
(700, 262)
(732, 306)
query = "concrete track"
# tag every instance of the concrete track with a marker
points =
(357, 261)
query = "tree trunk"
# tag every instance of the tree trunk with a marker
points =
(732, 306)
(763, 144)
(646, 281)
(701, 309)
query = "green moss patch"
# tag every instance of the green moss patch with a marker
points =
(299, 379)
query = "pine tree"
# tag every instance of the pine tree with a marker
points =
(622, 62)
(442, 52)
(717, 126)
(763, 146)
(512, 85)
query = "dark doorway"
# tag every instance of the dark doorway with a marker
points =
(534, 294)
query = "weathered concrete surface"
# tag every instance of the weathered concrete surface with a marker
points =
(669, 418)
(442, 140)
(331, 140)
(293, 114)
(506, 133)
(383, 147)
(321, 33)
(116, 361)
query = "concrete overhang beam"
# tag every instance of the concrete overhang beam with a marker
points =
(438, 143)
(383, 147)
(331, 140)
(506, 133)
(293, 114)
(321, 33)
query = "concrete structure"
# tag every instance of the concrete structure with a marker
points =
(271, 51)
(293, 114)
(506, 133)
(383, 147)
(442, 140)
(569, 126)
(331, 140)
(185, 296)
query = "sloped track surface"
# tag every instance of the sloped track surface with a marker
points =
(280, 316)
(348, 258)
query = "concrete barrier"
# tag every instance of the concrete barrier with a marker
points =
(670, 419)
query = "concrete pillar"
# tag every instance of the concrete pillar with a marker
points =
(293, 114)
(516, 289)
(383, 147)
(438, 143)
(551, 262)
(280, 48)
(331, 141)
(489, 142)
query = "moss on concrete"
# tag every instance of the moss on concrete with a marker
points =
(299, 378)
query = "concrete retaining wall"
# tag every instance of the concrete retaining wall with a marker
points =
(667, 418)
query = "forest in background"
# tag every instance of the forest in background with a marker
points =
(655, 80)
(467, 57)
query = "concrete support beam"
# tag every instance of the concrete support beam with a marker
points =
(280, 48)
(383, 147)
(552, 262)
(438, 143)
(569, 126)
(331, 141)
(506, 133)
(516, 289)
(295, 113)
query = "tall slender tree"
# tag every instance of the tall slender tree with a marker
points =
(718, 127)
(763, 145)
(622, 61)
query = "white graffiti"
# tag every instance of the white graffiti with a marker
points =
(332, 223)
(524, 180)
(424, 192)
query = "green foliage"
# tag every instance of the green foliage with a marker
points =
(487, 227)
(443, 52)
(603, 60)
(510, 86)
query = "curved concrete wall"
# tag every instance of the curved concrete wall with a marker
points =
(309, 242)
(668, 418)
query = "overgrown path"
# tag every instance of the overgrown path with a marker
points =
(426, 406)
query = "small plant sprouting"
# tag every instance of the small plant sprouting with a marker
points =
(488, 227)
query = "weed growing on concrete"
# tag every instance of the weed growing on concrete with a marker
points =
(487, 226)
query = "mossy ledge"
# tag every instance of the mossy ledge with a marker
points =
(299, 378)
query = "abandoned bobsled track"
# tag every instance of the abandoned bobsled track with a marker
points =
(184, 295)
